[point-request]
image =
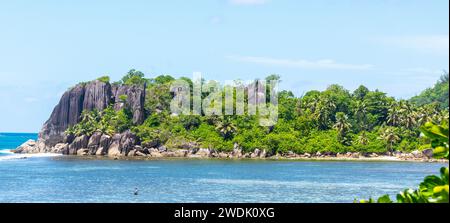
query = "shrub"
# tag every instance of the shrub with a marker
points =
(104, 79)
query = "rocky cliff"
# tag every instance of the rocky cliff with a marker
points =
(89, 96)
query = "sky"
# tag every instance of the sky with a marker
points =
(397, 46)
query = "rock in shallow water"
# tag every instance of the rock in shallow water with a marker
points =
(27, 147)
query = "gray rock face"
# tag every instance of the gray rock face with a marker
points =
(428, 153)
(80, 142)
(104, 144)
(58, 148)
(127, 142)
(135, 100)
(93, 95)
(66, 113)
(115, 147)
(97, 96)
(94, 143)
(203, 152)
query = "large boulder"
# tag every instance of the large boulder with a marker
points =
(203, 152)
(417, 154)
(255, 153)
(105, 142)
(79, 142)
(59, 148)
(115, 146)
(237, 151)
(127, 142)
(122, 144)
(83, 152)
(428, 153)
(263, 154)
(94, 142)
(181, 153)
(29, 146)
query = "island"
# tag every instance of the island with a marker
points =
(131, 118)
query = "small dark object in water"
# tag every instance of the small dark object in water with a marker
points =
(136, 191)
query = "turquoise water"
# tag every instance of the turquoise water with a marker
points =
(64, 179)
(12, 140)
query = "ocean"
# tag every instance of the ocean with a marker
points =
(54, 178)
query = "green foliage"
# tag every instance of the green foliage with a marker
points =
(251, 138)
(151, 137)
(104, 79)
(438, 93)
(368, 142)
(123, 98)
(342, 126)
(123, 120)
(433, 189)
(107, 122)
(390, 135)
(330, 121)
(226, 128)
(325, 141)
(162, 79)
(190, 122)
(134, 77)
(210, 138)
(158, 98)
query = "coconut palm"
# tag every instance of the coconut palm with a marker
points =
(360, 112)
(226, 129)
(342, 125)
(323, 111)
(390, 136)
(407, 114)
(394, 115)
(362, 138)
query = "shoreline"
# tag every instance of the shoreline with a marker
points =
(270, 158)
(81, 147)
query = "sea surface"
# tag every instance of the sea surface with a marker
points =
(53, 178)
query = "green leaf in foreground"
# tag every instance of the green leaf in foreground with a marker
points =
(433, 189)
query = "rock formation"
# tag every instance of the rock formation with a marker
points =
(89, 96)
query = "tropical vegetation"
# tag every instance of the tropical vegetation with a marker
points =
(335, 120)
(433, 189)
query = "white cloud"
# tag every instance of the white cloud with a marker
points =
(248, 2)
(429, 43)
(307, 64)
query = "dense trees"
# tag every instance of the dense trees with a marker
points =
(438, 93)
(333, 120)
(433, 189)
(107, 121)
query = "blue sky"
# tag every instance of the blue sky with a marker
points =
(399, 47)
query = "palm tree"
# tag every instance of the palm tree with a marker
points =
(362, 138)
(360, 111)
(226, 129)
(342, 125)
(323, 111)
(394, 115)
(407, 114)
(390, 136)
(311, 104)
